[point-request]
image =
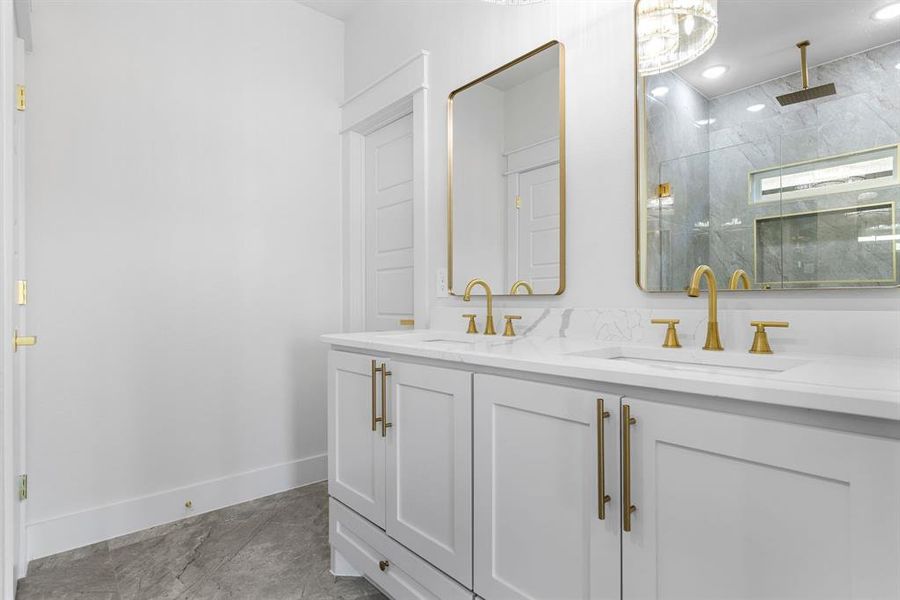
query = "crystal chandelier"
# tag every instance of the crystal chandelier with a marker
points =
(672, 33)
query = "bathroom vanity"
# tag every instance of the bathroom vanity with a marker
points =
(466, 466)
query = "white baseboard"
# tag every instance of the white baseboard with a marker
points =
(75, 530)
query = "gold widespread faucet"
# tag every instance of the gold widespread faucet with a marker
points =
(467, 296)
(712, 329)
(521, 284)
(739, 276)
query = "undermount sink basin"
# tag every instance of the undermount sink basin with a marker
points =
(679, 359)
(447, 340)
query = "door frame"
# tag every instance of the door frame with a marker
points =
(400, 92)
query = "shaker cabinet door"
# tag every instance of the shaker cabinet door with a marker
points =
(429, 465)
(731, 506)
(538, 488)
(356, 448)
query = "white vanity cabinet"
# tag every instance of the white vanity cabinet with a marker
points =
(400, 455)
(356, 448)
(733, 506)
(544, 458)
(491, 483)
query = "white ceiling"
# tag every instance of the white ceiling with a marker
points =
(757, 39)
(339, 9)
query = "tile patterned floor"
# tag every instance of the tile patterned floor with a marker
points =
(274, 548)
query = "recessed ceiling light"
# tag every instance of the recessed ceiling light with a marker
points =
(891, 11)
(897, 66)
(703, 122)
(715, 72)
(756, 107)
(659, 92)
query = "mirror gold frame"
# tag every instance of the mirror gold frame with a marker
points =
(562, 164)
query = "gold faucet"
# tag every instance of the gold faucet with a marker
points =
(467, 296)
(712, 328)
(739, 276)
(523, 284)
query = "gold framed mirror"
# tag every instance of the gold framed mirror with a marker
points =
(506, 177)
(775, 153)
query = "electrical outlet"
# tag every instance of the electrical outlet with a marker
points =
(441, 283)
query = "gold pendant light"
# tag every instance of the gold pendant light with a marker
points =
(672, 33)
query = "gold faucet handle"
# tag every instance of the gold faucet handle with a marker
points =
(508, 331)
(671, 340)
(760, 339)
(472, 328)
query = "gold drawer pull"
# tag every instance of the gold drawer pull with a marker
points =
(602, 496)
(383, 565)
(375, 419)
(627, 422)
(384, 422)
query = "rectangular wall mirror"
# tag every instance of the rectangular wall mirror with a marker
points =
(507, 177)
(799, 193)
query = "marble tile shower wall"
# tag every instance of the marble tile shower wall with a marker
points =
(676, 153)
(848, 333)
(712, 219)
(864, 114)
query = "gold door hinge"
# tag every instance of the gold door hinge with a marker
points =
(518, 201)
(23, 487)
(20, 97)
(664, 190)
(21, 292)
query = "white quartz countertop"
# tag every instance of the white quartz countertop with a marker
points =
(860, 386)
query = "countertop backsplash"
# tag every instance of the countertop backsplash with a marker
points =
(854, 333)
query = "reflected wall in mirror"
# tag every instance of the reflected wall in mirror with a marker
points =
(507, 174)
(735, 174)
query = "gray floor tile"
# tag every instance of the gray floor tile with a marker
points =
(273, 548)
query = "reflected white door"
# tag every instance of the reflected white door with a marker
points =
(389, 225)
(538, 228)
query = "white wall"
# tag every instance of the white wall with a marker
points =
(470, 37)
(531, 110)
(183, 250)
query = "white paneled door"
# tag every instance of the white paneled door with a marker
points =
(389, 225)
(731, 506)
(544, 457)
(538, 228)
(429, 465)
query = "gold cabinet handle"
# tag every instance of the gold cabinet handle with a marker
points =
(671, 340)
(384, 422)
(760, 339)
(375, 419)
(508, 331)
(23, 340)
(602, 496)
(383, 565)
(627, 422)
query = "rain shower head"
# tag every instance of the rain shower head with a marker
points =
(807, 93)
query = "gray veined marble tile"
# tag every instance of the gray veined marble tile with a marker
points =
(267, 549)
(166, 566)
(83, 573)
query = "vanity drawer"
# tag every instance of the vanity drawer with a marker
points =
(407, 576)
